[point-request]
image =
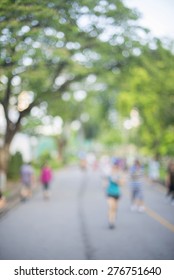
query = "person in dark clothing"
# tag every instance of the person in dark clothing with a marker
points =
(2, 201)
(170, 181)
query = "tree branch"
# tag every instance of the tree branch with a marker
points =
(59, 69)
(13, 128)
(66, 84)
(5, 101)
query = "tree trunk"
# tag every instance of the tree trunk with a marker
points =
(61, 149)
(4, 158)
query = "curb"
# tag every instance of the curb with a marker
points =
(13, 200)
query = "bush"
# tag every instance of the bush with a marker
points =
(15, 163)
(53, 162)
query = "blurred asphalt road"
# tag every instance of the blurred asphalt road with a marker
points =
(73, 223)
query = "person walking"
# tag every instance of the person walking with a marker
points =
(46, 177)
(27, 174)
(136, 184)
(113, 192)
(154, 168)
(2, 201)
(170, 181)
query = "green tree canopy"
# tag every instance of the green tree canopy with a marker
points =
(50, 48)
(149, 89)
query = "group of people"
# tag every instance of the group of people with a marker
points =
(27, 180)
(115, 179)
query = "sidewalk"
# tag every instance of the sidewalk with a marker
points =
(13, 197)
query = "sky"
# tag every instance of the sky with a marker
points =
(157, 15)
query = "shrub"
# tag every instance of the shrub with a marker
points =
(15, 163)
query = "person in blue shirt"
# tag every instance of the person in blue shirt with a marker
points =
(136, 185)
(113, 192)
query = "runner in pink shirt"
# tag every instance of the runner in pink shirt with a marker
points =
(46, 177)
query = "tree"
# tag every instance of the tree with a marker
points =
(149, 89)
(46, 48)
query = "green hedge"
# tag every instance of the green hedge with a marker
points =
(14, 166)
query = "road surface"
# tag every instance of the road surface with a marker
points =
(72, 224)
